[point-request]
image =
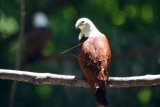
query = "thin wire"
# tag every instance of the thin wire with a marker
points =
(70, 48)
(84, 60)
(76, 55)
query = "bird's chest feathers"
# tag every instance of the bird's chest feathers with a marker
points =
(93, 49)
(89, 49)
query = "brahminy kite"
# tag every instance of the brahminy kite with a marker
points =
(94, 57)
(38, 37)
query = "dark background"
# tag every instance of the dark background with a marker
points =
(133, 30)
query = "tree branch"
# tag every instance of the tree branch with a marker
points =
(68, 80)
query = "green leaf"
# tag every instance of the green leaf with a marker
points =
(144, 95)
(118, 18)
(130, 10)
(43, 91)
(8, 25)
(69, 13)
(49, 48)
(147, 13)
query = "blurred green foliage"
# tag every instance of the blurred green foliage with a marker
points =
(144, 95)
(44, 91)
(8, 25)
(133, 30)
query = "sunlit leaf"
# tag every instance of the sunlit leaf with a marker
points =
(49, 48)
(118, 18)
(131, 10)
(8, 25)
(144, 95)
(111, 5)
(44, 91)
(69, 13)
(147, 13)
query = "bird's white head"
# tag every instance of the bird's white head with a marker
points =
(82, 23)
(87, 28)
(40, 20)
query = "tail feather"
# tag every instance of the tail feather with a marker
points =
(101, 99)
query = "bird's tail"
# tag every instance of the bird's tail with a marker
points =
(101, 100)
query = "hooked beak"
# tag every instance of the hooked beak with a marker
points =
(77, 26)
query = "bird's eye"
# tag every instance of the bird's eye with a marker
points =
(82, 22)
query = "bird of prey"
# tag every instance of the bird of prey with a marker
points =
(94, 57)
(38, 37)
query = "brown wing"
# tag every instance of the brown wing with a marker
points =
(36, 42)
(94, 59)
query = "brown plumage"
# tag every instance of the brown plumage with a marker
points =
(94, 57)
(36, 42)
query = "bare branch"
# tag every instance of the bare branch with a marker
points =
(68, 80)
